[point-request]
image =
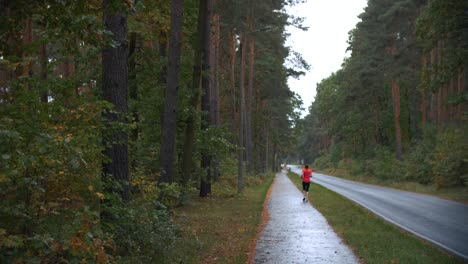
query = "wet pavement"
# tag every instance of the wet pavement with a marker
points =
(296, 232)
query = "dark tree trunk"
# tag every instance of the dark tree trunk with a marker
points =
(187, 158)
(240, 180)
(248, 132)
(167, 153)
(423, 94)
(232, 80)
(215, 95)
(414, 109)
(396, 112)
(44, 62)
(114, 89)
(460, 89)
(205, 182)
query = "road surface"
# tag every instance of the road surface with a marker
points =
(441, 222)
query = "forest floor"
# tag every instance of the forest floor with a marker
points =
(459, 194)
(220, 228)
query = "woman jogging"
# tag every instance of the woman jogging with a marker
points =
(306, 176)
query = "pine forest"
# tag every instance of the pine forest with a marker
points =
(114, 113)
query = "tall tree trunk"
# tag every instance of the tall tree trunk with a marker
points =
(114, 86)
(248, 132)
(433, 97)
(214, 111)
(450, 108)
(240, 161)
(460, 84)
(205, 181)
(414, 109)
(167, 153)
(396, 111)
(423, 93)
(232, 78)
(216, 87)
(187, 158)
(438, 115)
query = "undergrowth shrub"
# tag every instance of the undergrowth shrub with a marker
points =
(450, 163)
(417, 163)
(323, 162)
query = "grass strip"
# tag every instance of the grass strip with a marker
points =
(372, 239)
(220, 228)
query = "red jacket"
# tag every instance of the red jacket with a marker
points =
(306, 175)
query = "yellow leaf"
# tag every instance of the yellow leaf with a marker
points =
(100, 195)
(91, 188)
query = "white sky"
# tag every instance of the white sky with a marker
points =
(324, 45)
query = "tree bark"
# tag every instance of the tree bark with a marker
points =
(167, 153)
(187, 161)
(114, 86)
(414, 109)
(240, 180)
(423, 93)
(44, 63)
(232, 78)
(205, 181)
(248, 132)
(460, 83)
(396, 111)
(214, 73)
(433, 97)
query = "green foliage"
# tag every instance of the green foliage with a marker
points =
(323, 162)
(50, 178)
(450, 165)
(141, 230)
(418, 165)
(351, 124)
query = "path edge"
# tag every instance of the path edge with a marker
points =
(263, 222)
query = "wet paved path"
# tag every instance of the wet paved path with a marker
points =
(296, 232)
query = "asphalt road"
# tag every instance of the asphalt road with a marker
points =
(441, 222)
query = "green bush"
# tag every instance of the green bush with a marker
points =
(323, 162)
(417, 163)
(450, 164)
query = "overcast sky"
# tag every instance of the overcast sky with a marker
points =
(324, 45)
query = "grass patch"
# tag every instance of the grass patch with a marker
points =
(459, 194)
(220, 228)
(372, 239)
